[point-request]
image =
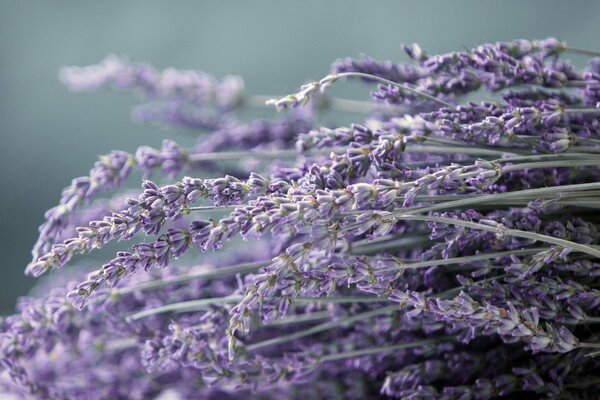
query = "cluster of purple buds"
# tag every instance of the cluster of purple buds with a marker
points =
(436, 249)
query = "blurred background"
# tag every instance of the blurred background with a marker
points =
(49, 136)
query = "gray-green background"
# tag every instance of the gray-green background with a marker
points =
(48, 136)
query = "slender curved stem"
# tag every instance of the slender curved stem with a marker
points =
(204, 274)
(582, 51)
(267, 154)
(582, 110)
(321, 327)
(562, 191)
(382, 349)
(388, 82)
(500, 230)
(463, 260)
(552, 164)
(335, 103)
(300, 318)
(201, 304)
(558, 156)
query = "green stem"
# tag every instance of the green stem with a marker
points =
(581, 110)
(205, 274)
(212, 208)
(558, 156)
(184, 306)
(201, 304)
(469, 150)
(587, 149)
(500, 230)
(334, 103)
(551, 164)
(320, 328)
(377, 350)
(576, 84)
(266, 154)
(519, 194)
(589, 345)
(590, 320)
(463, 260)
(388, 82)
(583, 51)
(300, 318)
(397, 243)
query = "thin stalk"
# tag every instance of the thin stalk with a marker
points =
(576, 84)
(291, 153)
(334, 103)
(470, 150)
(519, 194)
(206, 274)
(201, 304)
(212, 208)
(388, 82)
(341, 299)
(470, 200)
(184, 306)
(581, 110)
(452, 197)
(462, 260)
(589, 345)
(266, 154)
(590, 320)
(587, 149)
(321, 327)
(300, 318)
(583, 203)
(552, 164)
(399, 243)
(559, 156)
(500, 230)
(582, 51)
(377, 350)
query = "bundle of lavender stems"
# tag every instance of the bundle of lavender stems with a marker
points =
(438, 248)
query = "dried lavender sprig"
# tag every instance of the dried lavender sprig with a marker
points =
(110, 172)
(142, 212)
(382, 349)
(517, 49)
(308, 90)
(149, 212)
(386, 69)
(191, 86)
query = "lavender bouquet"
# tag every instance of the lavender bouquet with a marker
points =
(436, 249)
